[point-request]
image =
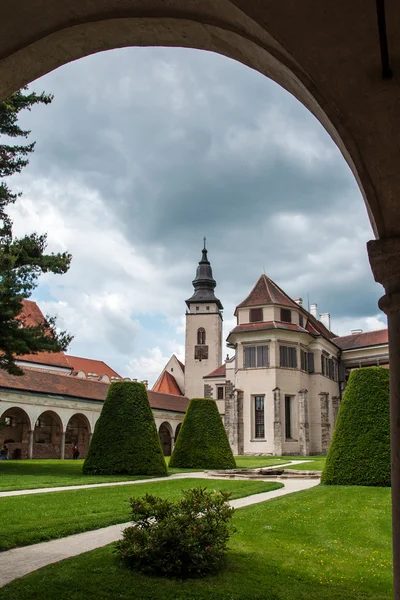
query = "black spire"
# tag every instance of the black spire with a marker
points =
(204, 283)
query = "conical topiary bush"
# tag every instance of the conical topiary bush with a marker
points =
(125, 439)
(360, 450)
(202, 441)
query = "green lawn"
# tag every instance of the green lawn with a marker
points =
(328, 543)
(33, 474)
(317, 463)
(39, 517)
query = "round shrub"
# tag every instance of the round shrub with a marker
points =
(182, 539)
(125, 439)
(360, 450)
(202, 441)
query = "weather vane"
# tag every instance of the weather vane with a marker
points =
(204, 243)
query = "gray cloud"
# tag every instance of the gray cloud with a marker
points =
(177, 144)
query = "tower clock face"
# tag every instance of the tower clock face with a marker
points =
(201, 352)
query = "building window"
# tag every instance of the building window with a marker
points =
(220, 393)
(288, 417)
(310, 362)
(301, 321)
(288, 356)
(303, 360)
(255, 357)
(207, 308)
(286, 315)
(324, 364)
(256, 315)
(201, 336)
(259, 426)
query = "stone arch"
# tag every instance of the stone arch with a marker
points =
(48, 435)
(77, 431)
(165, 433)
(261, 38)
(15, 432)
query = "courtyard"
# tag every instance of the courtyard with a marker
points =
(332, 542)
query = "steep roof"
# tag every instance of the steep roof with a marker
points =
(57, 384)
(362, 340)
(167, 385)
(31, 314)
(245, 327)
(87, 365)
(264, 292)
(180, 364)
(220, 372)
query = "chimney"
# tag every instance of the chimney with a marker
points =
(356, 331)
(314, 310)
(299, 301)
(145, 383)
(325, 319)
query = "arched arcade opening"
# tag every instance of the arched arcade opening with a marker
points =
(14, 432)
(165, 433)
(77, 432)
(48, 436)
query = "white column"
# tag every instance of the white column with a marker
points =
(30, 444)
(62, 446)
(384, 256)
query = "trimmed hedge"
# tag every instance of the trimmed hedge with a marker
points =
(125, 439)
(360, 450)
(202, 441)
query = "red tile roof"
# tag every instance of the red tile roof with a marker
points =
(167, 385)
(362, 340)
(264, 292)
(220, 372)
(31, 315)
(67, 385)
(87, 365)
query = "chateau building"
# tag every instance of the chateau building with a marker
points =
(280, 392)
(57, 402)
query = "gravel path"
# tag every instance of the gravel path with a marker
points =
(21, 561)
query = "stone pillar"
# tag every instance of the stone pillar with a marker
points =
(30, 444)
(62, 445)
(384, 257)
(277, 422)
(233, 419)
(240, 424)
(208, 391)
(325, 424)
(172, 444)
(90, 438)
(304, 425)
(335, 408)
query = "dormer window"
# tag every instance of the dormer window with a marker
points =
(301, 321)
(286, 315)
(256, 315)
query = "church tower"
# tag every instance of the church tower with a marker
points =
(203, 346)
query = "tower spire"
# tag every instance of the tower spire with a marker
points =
(204, 284)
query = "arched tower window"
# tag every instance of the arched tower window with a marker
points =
(201, 336)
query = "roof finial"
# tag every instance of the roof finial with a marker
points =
(204, 243)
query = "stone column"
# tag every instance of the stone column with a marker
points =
(90, 438)
(30, 444)
(304, 425)
(240, 424)
(335, 408)
(325, 425)
(172, 444)
(384, 257)
(277, 422)
(62, 445)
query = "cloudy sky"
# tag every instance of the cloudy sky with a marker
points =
(145, 151)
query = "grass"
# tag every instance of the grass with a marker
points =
(39, 517)
(330, 543)
(33, 474)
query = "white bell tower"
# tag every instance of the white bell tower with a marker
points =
(203, 345)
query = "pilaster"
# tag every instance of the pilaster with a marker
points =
(325, 424)
(304, 425)
(277, 422)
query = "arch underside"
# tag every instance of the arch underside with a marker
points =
(70, 31)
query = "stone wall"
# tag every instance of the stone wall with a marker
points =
(208, 391)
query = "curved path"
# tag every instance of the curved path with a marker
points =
(67, 488)
(21, 561)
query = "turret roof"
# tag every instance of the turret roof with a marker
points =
(204, 283)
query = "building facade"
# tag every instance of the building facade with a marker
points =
(279, 394)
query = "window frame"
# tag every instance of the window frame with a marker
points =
(288, 312)
(201, 336)
(222, 389)
(258, 312)
(259, 417)
(258, 351)
(285, 355)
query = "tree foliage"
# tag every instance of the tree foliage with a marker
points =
(125, 439)
(359, 453)
(22, 260)
(202, 441)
